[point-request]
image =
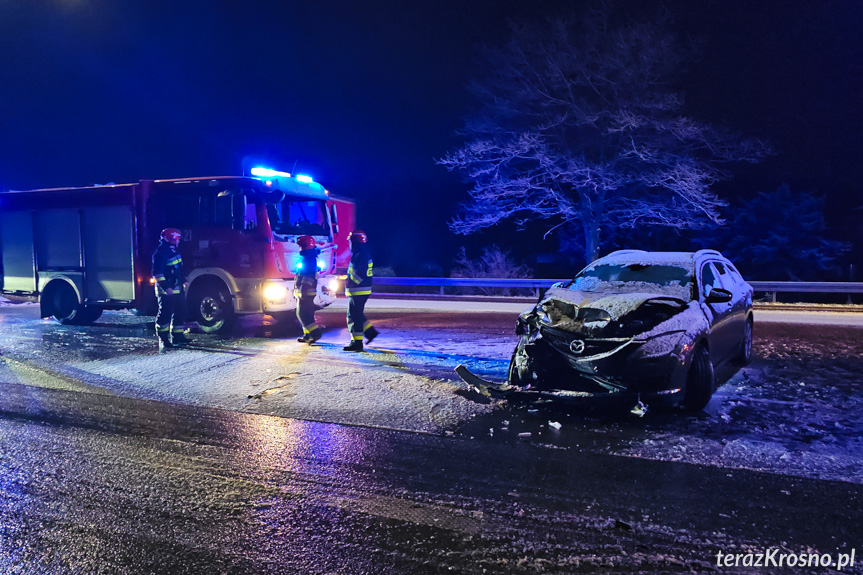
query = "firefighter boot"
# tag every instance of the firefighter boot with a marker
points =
(371, 333)
(303, 339)
(164, 341)
(314, 335)
(355, 345)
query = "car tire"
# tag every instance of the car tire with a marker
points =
(699, 381)
(210, 305)
(744, 356)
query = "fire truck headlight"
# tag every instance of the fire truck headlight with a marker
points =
(334, 285)
(275, 292)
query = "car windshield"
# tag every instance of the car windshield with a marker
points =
(666, 279)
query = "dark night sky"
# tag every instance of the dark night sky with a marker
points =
(364, 95)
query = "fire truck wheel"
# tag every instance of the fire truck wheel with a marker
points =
(210, 305)
(88, 314)
(65, 308)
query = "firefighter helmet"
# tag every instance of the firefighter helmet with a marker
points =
(172, 235)
(358, 236)
(306, 242)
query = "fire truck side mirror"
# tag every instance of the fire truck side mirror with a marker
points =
(334, 218)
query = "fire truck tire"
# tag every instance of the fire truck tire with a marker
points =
(210, 305)
(65, 308)
(89, 314)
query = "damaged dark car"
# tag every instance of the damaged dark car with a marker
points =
(640, 325)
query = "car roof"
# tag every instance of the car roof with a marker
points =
(668, 258)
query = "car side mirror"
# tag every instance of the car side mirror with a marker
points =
(718, 295)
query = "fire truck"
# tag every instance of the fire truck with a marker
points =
(80, 251)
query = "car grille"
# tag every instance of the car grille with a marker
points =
(562, 342)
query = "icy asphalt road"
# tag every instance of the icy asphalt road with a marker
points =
(798, 409)
(113, 485)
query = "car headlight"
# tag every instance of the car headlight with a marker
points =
(663, 344)
(275, 292)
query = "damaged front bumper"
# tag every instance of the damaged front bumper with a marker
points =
(560, 363)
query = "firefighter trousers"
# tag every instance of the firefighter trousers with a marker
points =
(358, 324)
(172, 313)
(306, 315)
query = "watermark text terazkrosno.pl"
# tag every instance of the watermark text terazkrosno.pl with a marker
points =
(780, 558)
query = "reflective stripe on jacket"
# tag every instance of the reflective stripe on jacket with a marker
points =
(359, 280)
(306, 284)
(168, 268)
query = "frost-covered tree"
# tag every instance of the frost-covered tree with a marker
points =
(580, 124)
(780, 236)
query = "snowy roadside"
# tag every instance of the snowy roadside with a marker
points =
(797, 410)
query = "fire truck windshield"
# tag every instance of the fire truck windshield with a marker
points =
(294, 216)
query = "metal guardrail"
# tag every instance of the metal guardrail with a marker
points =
(540, 284)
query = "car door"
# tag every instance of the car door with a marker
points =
(732, 282)
(721, 339)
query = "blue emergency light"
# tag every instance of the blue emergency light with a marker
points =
(304, 179)
(268, 173)
(321, 265)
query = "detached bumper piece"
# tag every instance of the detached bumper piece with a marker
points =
(484, 386)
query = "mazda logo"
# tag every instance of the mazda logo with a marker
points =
(576, 346)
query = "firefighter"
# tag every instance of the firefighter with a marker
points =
(170, 290)
(306, 287)
(358, 288)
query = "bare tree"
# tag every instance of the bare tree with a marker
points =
(580, 125)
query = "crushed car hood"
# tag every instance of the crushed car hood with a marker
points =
(615, 304)
(606, 314)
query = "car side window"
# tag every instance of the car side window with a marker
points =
(720, 268)
(708, 279)
(738, 279)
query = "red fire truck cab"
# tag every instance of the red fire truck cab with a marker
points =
(79, 251)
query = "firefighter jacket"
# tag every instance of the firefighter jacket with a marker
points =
(359, 281)
(168, 268)
(306, 284)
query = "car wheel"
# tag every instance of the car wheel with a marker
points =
(211, 307)
(744, 356)
(699, 381)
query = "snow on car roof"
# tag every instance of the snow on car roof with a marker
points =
(650, 258)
